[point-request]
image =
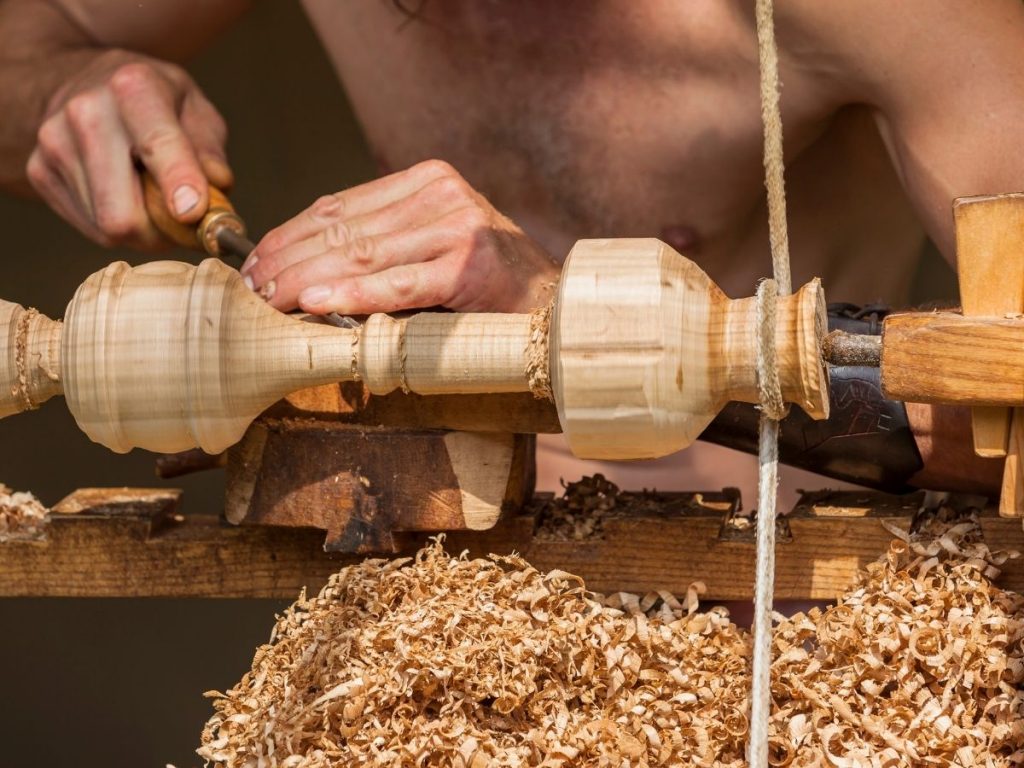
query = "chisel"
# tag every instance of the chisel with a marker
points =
(221, 232)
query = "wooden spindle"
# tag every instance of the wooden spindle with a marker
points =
(644, 351)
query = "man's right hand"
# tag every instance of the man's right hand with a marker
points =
(121, 111)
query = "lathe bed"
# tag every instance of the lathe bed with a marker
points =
(132, 542)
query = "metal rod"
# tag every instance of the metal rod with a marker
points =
(842, 348)
(234, 245)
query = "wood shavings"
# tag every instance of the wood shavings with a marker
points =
(440, 661)
(538, 365)
(580, 512)
(921, 663)
(22, 516)
(21, 355)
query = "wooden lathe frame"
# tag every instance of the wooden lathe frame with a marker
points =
(132, 542)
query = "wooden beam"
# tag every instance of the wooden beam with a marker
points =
(944, 357)
(133, 543)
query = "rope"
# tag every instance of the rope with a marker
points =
(769, 388)
(772, 406)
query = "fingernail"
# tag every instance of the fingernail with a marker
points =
(268, 290)
(185, 199)
(315, 295)
(247, 279)
(249, 262)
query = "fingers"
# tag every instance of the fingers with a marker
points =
(408, 286)
(104, 150)
(350, 204)
(57, 148)
(415, 239)
(338, 236)
(55, 191)
(150, 115)
(83, 164)
(360, 257)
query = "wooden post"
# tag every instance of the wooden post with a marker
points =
(990, 266)
(990, 263)
(944, 357)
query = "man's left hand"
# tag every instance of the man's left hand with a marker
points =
(422, 237)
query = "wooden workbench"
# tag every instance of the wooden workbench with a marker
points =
(133, 542)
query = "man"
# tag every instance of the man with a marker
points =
(518, 126)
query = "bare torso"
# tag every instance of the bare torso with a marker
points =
(605, 118)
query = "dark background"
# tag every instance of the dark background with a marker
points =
(119, 682)
(87, 683)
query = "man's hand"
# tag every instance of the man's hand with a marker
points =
(120, 110)
(419, 238)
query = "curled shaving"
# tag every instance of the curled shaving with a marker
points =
(440, 661)
(21, 355)
(538, 369)
(921, 663)
(22, 516)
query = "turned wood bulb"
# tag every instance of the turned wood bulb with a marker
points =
(169, 356)
(643, 350)
(646, 349)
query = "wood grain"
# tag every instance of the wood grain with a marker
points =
(351, 403)
(1011, 496)
(646, 349)
(944, 357)
(341, 478)
(990, 267)
(169, 356)
(127, 542)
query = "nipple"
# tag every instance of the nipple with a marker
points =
(684, 239)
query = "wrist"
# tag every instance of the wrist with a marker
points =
(541, 288)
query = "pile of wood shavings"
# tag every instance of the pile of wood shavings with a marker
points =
(453, 662)
(22, 516)
(921, 663)
(438, 661)
(579, 513)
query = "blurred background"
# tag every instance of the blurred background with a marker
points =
(119, 682)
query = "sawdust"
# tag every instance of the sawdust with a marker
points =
(538, 364)
(440, 661)
(21, 357)
(22, 516)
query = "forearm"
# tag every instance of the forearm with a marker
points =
(52, 49)
(40, 49)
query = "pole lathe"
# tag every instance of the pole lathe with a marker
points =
(642, 351)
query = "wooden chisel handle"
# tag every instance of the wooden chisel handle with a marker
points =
(201, 236)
